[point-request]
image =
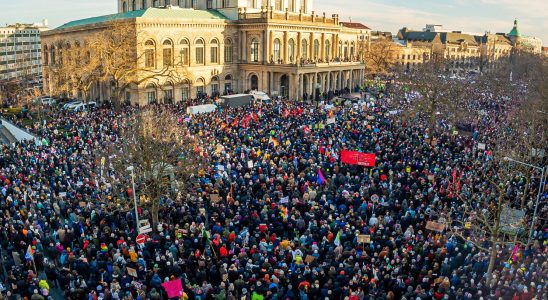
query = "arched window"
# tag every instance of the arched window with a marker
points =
(124, 6)
(185, 45)
(316, 49)
(200, 52)
(151, 93)
(255, 50)
(304, 50)
(215, 86)
(291, 50)
(229, 50)
(150, 54)
(214, 51)
(276, 50)
(144, 4)
(228, 83)
(352, 50)
(133, 4)
(200, 87)
(46, 55)
(327, 52)
(167, 53)
(52, 55)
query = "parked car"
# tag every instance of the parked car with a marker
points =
(46, 100)
(83, 106)
(71, 104)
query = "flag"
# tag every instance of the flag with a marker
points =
(515, 252)
(174, 288)
(29, 255)
(337, 240)
(321, 178)
(274, 141)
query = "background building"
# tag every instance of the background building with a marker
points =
(280, 47)
(20, 51)
(463, 53)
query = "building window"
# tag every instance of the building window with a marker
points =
(214, 52)
(276, 50)
(151, 97)
(150, 54)
(168, 95)
(214, 86)
(316, 49)
(209, 4)
(304, 50)
(327, 51)
(255, 50)
(185, 92)
(291, 50)
(200, 87)
(291, 5)
(168, 53)
(229, 51)
(279, 4)
(200, 52)
(133, 5)
(155, 3)
(124, 6)
(228, 83)
(144, 4)
(184, 52)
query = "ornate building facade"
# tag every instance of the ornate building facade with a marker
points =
(463, 53)
(278, 46)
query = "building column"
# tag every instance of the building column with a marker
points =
(263, 47)
(340, 80)
(328, 81)
(270, 45)
(272, 82)
(245, 48)
(298, 57)
(315, 84)
(285, 58)
(301, 87)
(311, 46)
(351, 80)
(322, 47)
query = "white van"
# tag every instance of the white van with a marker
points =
(260, 97)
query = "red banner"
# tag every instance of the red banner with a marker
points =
(358, 158)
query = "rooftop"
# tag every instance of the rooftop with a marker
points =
(162, 13)
(354, 25)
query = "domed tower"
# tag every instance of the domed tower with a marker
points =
(514, 35)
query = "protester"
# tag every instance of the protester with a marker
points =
(286, 225)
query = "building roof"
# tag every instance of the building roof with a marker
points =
(354, 25)
(514, 31)
(457, 38)
(166, 13)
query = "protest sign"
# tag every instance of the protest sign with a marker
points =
(358, 158)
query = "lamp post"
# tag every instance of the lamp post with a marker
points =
(540, 189)
(130, 168)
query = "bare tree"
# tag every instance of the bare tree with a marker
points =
(379, 56)
(164, 156)
(113, 55)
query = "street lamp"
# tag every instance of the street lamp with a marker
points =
(130, 168)
(540, 189)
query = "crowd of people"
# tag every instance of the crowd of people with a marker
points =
(290, 222)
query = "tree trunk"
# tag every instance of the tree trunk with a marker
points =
(492, 260)
(155, 211)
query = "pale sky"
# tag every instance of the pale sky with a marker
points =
(385, 15)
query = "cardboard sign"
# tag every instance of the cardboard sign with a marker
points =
(309, 259)
(330, 121)
(250, 164)
(435, 226)
(214, 197)
(481, 146)
(132, 272)
(364, 238)
(467, 225)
